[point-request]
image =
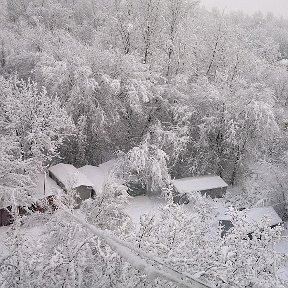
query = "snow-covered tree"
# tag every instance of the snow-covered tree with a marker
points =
(33, 126)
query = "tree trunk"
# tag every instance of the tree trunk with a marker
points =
(3, 56)
(235, 167)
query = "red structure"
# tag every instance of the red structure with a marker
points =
(5, 216)
(47, 204)
(43, 200)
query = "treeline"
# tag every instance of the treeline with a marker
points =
(186, 90)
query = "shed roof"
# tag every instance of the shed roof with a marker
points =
(200, 183)
(257, 214)
(70, 176)
(254, 217)
(283, 62)
(98, 175)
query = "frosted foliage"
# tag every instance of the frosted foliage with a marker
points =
(32, 111)
(54, 73)
(149, 165)
(264, 185)
(228, 261)
(33, 126)
(182, 244)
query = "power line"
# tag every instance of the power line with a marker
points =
(135, 257)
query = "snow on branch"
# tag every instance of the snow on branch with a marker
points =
(135, 257)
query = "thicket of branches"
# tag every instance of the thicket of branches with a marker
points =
(205, 88)
(170, 88)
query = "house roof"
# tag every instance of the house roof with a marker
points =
(70, 176)
(98, 175)
(200, 183)
(254, 217)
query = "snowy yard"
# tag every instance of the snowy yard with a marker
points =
(143, 205)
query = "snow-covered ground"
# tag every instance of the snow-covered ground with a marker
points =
(3, 237)
(282, 247)
(143, 205)
(135, 208)
(29, 232)
(283, 274)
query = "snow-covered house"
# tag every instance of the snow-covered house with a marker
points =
(69, 178)
(253, 219)
(211, 185)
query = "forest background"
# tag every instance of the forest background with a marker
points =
(171, 89)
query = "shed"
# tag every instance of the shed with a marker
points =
(254, 218)
(283, 62)
(70, 178)
(98, 175)
(211, 185)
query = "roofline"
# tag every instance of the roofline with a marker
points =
(198, 177)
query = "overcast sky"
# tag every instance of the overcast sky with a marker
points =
(277, 7)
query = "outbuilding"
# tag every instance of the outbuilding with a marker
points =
(253, 219)
(6, 217)
(98, 175)
(211, 185)
(69, 178)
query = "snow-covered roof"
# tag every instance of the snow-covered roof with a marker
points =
(283, 62)
(70, 176)
(46, 186)
(254, 217)
(98, 175)
(283, 274)
(257, 214)
(200, 183)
